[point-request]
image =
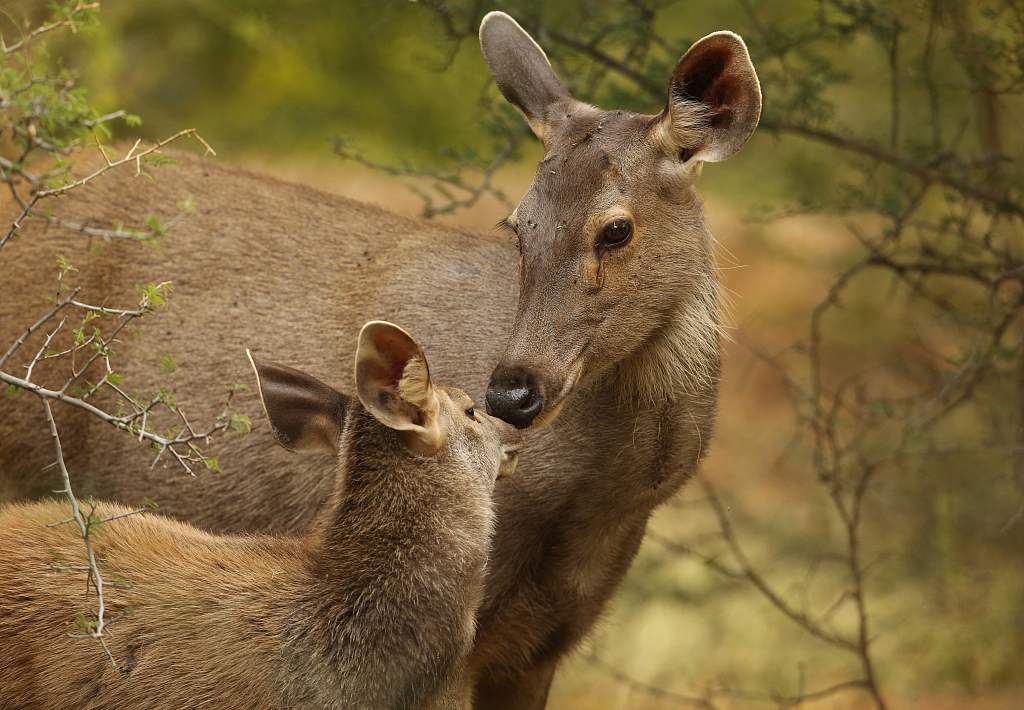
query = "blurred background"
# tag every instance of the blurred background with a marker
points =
(859, 531)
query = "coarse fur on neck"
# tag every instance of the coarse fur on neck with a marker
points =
(378, 560)
(681, 358)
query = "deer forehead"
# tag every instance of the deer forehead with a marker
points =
(595, 160)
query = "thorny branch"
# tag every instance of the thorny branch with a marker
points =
(453, 190)
(92, 629)
(133, 156)
(72, 19)
(183, 445)
(46, 123)
(711, 695)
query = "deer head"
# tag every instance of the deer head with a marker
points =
(615, 257)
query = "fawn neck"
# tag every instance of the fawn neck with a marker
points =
(397, 520)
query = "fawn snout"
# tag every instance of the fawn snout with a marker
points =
(511, 440)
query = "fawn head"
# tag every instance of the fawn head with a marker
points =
(393, 384)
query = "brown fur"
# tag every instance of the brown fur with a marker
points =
(374, 609)
(625, 342)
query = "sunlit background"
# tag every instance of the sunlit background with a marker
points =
(299, 89)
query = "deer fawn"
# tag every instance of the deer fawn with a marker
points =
(592, 318)
(374, 609)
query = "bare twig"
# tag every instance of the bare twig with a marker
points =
(187, 438)
(71, 21)
(132, 156)
(93, 629)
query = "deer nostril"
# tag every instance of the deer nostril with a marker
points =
(514, 396)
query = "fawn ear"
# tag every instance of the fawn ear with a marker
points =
(714, 101)
(304, 413)
(521, 70)
(393, 384)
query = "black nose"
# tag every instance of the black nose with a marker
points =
(514, 395)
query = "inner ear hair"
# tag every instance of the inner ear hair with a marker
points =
(714, 101)
(414, 386)
(393, 383)
(686, 126)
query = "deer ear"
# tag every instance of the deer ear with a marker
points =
(521, 70)
(714, 100)
(305, 414)
(393, 384)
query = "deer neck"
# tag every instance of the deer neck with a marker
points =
(388, 505)
(681, 358)
(413, 533)
(395, 571)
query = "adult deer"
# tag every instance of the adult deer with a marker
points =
(605, 336)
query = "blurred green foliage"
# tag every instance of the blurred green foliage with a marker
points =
(273, 77)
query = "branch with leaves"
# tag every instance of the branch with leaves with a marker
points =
(48, 121)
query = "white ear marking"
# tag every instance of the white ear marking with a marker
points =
(498, 14)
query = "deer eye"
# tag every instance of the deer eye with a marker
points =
(617, 233)
(471, 413)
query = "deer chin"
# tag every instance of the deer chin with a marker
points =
(551, 411)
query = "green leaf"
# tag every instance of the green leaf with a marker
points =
(1004, 353)
(166, 395)
(155, 225)
(212, 464)
(159, 159)
(64, 265)
(168, 363)
(240, 423)
(155, 294)
(148, 502)
(86, 625)
(880, 407)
